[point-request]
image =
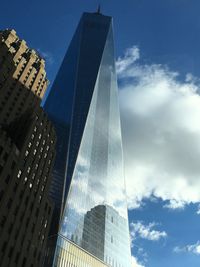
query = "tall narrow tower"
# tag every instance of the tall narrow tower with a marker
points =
(83, 104)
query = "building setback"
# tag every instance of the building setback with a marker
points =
(27, 151)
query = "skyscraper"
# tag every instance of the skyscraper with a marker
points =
(83, 105)
(27, 151)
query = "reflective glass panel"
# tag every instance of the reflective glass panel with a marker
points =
(95, 215)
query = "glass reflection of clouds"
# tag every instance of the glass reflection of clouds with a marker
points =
(95, 215)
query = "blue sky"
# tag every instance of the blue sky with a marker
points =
(158, 61)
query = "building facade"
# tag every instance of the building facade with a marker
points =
(27, 151)
(84, 100)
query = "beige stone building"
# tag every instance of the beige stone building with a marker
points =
(23, 79)
(27, 151)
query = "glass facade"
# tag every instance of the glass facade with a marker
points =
(95, 211)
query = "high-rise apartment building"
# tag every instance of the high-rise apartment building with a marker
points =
(83, 105)
(27, 151)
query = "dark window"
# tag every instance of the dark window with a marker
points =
(21, 194)
(3, 220)
(17, 257)
(16, 233)
(10, 252)
(5, 156)
(39, 256)
(31, 206)
(7, 179)
(13, 165)
(37, 212)
(10, 228)
(15, 187)
(33, 228)
(35, 252)
(9, 203)
(3, 248)
(29, 244)
(24, 262)
(27, 221)
(1, 194)
(49, 210)
(16, 210)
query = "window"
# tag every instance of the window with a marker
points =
(1, 194)
(9, 203)
(3, 220)
(10, 228)
(21, 194)
(45, 224)
(15, 187)
(33, 176)
(49, 210)
(13, 165)
(17, 257)
(37, 212)
(4, 246)
(111, 239)
(19, 174)
(33, 228)
(24, 262)
(5, 156)
(40, 198)
(16, 210)
(7, 179)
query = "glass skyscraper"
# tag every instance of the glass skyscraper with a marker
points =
(83, 105)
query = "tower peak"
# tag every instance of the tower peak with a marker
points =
(99, 9)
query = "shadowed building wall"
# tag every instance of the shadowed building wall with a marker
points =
(27, 151)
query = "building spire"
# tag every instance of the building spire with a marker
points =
(99, 9)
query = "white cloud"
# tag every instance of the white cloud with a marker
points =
(175, 204)
(140, 230)
(198, 210)
(161, 132)
(131, 55)
(195, 249)
(135, 263)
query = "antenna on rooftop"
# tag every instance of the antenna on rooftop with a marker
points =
(99, 9)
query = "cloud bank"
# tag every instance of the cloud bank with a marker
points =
(161, 132)
(140, 230)
(135, 263)
(195, 249)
